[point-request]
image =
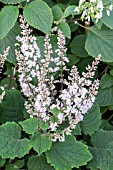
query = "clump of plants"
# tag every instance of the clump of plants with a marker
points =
(56, 85)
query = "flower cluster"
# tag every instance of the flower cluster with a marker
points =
(45, 101)
(3, 58)
(92, 9)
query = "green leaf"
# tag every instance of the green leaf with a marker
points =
(11, 107)
(38, 163)
(107, 20)
(54, 111)
(105, 97)
(78, 46)
(2, 162)
(64, 27)
(11, 144)
(91, 121)
(77, 130)
(30, 126)
(43, 125)
(73, 59)
(11, 1)
(100, 42)
(68, 154)
(41, 143)
(38, 14)
(57, 12)
(102, 151)
(14, 166)
(8, 17)
(70, 11)
(106, 81)
(10, 40)
(6, 83)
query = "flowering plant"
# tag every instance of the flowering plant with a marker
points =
(56, 84)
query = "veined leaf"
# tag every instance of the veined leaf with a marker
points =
(57, 12)
(64, 27)
(100, 41)
(70, 11)
(102, 151)
(91, 121)
(105, 97)
(38, 14)
(8, 17)
(11, 1)
(11, 107)
(41, 143)
(106, 81)
(10, 40)
(38, 163)
(11, 144)
(68, 154)
(30, 126)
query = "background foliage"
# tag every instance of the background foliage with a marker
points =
(91, 145)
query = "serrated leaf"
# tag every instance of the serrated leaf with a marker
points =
(11, 1)
(64, 27)
(11, 107)
(8, 17)
(38, 14)
(68, 154)
(11, 144)
(106, 81)
(105, 97)
(98, 24)
(30, 126)
(38, 163)
(57, 12)
(102, 151)
(43, 125)
(99, 41)
(10, 40)
(70, 11)
(41, 143)
(78, 46)
(107, 20)
(73, 59)
(54, 111)
(91, 121)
